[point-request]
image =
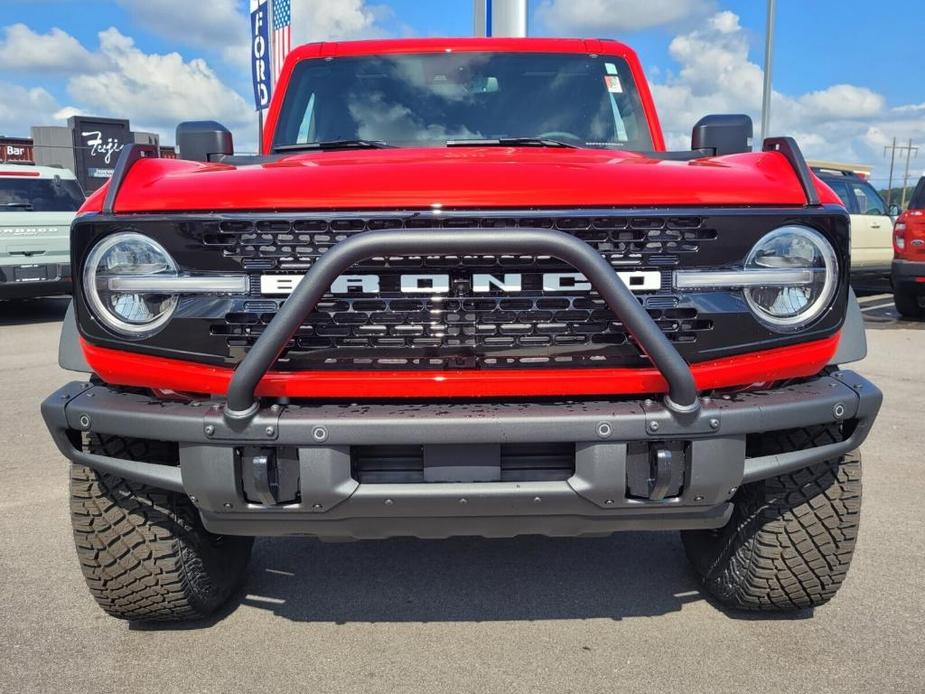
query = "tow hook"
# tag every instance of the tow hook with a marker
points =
(270, 476)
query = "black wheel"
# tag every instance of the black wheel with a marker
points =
(908, 305)
(790, 540)
(144, 551)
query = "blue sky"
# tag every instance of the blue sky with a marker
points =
(846, 73)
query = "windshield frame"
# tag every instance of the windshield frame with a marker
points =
(643, 110)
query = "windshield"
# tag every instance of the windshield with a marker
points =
(56, 194)
(428, 98)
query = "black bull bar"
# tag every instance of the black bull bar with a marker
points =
(682, 391)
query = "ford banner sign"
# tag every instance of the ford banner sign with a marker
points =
(260, 53)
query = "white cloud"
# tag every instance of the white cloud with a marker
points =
(223, 24)
(216, 25)
(323, 20)
(843, 101)
(22, 49)
(156, 91)
(843, 122)
(21, 108)
(67, 112)
(201, 23)
(597, 17)
(910, 108)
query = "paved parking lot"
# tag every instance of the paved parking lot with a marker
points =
(521, 615)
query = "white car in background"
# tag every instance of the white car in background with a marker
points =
(37, 206)
(871, 223)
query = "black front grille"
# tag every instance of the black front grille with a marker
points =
(460, 333)
(389, 329)
(460, 329)
(295, 244)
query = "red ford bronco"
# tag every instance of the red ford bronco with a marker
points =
(908, 272)
(463, 290)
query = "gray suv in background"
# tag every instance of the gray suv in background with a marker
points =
(37, 206)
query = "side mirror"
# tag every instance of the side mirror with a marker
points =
(894, 211)
(723, 134)
(203, 140)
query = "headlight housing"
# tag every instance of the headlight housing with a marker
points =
(804, 253)
(125, 255)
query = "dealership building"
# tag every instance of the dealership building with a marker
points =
(87, 145)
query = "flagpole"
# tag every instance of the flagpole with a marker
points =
(260, 131)
(767, 94)
(272, 82)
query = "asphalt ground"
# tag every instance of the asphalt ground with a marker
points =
(524, 615)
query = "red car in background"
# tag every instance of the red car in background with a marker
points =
(909, 257)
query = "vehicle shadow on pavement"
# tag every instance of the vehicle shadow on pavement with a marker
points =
(472, 579)
(24, 311)
(880, 314)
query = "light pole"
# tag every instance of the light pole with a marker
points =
(500, 17)
(768, 60)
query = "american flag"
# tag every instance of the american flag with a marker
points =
(282, 35)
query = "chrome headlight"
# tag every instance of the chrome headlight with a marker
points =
(789, 277)
(133, 285)
(129, 255)
(804, 256)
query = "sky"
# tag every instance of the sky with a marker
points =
(847, 74)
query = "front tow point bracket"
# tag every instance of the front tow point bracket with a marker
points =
(662, 420)
(262, 470)
(262, 425)
(661, 473)
(270, 475)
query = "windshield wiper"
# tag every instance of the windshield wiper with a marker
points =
(511, 142)
(332, 144)
(17, 205)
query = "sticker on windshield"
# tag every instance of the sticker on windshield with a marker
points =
(613, 83)
(611, 68)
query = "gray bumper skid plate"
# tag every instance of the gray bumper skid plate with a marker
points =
(331, 503)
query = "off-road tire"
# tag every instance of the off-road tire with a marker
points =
(144, 551)
(908, 305)
(790, 539)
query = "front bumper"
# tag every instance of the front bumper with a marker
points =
(908, 277)
(710, 445)
(34, 279)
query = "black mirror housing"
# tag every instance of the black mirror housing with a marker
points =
(204, 140)
(723, 134)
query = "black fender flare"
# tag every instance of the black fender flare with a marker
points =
(70, 354)
(853, 344)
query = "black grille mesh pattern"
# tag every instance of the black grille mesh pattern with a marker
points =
(460, 329)
(293, 245)
(459, 333)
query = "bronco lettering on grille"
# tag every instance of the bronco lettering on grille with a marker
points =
(481, 283)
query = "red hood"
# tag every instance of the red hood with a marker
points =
(459, 178)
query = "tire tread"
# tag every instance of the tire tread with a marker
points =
(791, 538)
(143, 551)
